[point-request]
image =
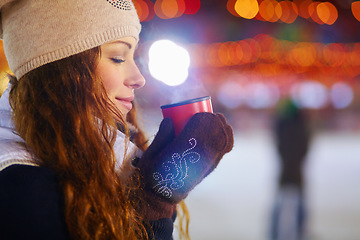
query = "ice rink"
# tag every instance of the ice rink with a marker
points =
(235, 201)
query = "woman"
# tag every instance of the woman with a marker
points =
(73, 163)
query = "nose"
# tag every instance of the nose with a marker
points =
(136, 79)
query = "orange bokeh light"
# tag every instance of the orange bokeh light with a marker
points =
(224, 54)
(180, 7)
(212, 55)
(3, 61)
(267, 10)
(288, 11)
(230, 6)
(335, 54)
(304, 54)
(303, 6)
(239, 53)
(167, 9)
(355, 8)
(279, 58)
(142, 9)
(313, 12)
(327, 12)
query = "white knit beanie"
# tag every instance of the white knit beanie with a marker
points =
(37, 32)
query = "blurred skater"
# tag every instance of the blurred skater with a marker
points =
(292, 141)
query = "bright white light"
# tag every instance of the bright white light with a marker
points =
(310, 94)
(260, 95)
(169, 62)
(341, 95)
(231, 94)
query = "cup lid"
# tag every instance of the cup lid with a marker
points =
(194, 100)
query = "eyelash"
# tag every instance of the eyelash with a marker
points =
(117, 60)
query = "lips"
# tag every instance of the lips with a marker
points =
(126, 102)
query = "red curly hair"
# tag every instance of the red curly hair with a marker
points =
(62, 112)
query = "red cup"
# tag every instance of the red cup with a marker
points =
(181, 112)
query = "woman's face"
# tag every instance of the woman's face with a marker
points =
(119, 73)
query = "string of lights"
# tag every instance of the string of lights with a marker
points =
(321, 12)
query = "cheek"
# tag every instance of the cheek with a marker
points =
(108, 77)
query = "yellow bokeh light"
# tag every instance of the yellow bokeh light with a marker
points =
(247, 8)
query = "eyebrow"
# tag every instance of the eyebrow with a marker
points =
(122, 42)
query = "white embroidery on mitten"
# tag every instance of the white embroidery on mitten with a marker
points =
(175, 171)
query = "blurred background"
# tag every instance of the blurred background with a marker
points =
(250, 56)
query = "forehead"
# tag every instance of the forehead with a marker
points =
(130, 42)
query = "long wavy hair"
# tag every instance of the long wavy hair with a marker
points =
(62, 112)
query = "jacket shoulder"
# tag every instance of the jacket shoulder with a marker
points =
(34, 204)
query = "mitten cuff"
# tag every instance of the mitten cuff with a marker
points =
(160, 229)
(157, 208)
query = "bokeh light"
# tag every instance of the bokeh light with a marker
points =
(192, 6)
(230, 6)
(167, 9)
(309, 94)
(341, 95)
(267, 10)
(303, 54)
(335, 54)
(286, 11)
(260, 95)
(327, 12)
(355, 9)
(145, 9)
(247, 8)
(303, 6)
(231, 94)
(169, 62)
(274, 56)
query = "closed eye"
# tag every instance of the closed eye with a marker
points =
(117, 60)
